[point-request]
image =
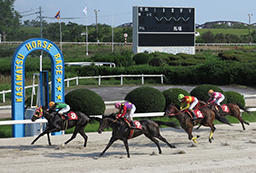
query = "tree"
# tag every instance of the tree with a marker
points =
(208, 37)
(9, 19)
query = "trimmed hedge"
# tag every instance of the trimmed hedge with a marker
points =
(86, 101)
(147, 99)
(142, 58)
(201, 91)
(235, 98)
(124, 58)
(171, 95)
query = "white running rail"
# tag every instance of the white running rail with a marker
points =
(122, 76)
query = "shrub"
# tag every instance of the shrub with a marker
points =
(147, 99)
(156, 61)
(217, 73)
(171, 95)
(235, 98)
(91, 70)
(142, 58)
(201, 91)
(124, 58)
(86, 101)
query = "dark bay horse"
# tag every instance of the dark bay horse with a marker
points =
(187, 124)
(56, 124)
(231, 109)
(122, 131)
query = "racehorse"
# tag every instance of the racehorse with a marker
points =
(122, 131)
(56, 123)
(229, 109)
(187, 124)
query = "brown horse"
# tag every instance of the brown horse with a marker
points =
(232, 110)
(187, 124)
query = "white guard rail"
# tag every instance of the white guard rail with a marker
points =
(122, 76)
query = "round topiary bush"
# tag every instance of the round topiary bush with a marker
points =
(201, 91)
(147, 99)
(235, 98)
(171, 95)
(86, 101)
(142, 58)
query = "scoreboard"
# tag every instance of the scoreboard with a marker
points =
(165, 29)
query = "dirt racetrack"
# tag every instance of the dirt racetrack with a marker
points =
(233, 150)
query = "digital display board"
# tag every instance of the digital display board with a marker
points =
(166, 40)
(158, 19)
(164, 29)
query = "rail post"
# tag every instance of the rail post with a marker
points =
(162, 78)
(142, 79)
(99, 81)
(122, 79)
(77, 80)
(3, 96)
(67, 83)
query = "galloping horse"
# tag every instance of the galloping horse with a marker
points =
(228, 109)
(187, 124)
(56, 124)
(122, 131)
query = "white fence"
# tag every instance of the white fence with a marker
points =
(122, 76)
(130, 43)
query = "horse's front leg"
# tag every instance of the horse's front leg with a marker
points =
(126, 147)
(190, 136)
(49, 140)
(111, 141)
(42, 134)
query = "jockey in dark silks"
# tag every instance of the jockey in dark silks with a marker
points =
(126, 110)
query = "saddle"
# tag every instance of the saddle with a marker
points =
(71, 116)
(224, 108)
(197, 112)
(137, 125)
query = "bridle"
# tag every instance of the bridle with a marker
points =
(39, 110)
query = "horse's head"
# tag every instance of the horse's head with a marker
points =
(106, 122)
(171, 110)
(38, 113)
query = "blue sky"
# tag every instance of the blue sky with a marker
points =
(117, 12)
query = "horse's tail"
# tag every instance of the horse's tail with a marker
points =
(91, 119)
(170, 124)
(243, 109)
(222, 119)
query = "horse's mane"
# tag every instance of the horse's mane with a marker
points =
(175, 105)
(113, 116)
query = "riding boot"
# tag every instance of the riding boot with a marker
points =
(220, 110)
(65, 116)
(194, 115)
(132, 125)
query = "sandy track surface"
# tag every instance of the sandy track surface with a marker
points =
(233, 150)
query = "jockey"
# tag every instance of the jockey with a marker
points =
(188, 102)
(126, 110)
(62, 108)
(216, 97)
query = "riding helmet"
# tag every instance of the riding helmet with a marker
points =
(180, 96)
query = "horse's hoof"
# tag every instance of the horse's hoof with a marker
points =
(172, 146)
